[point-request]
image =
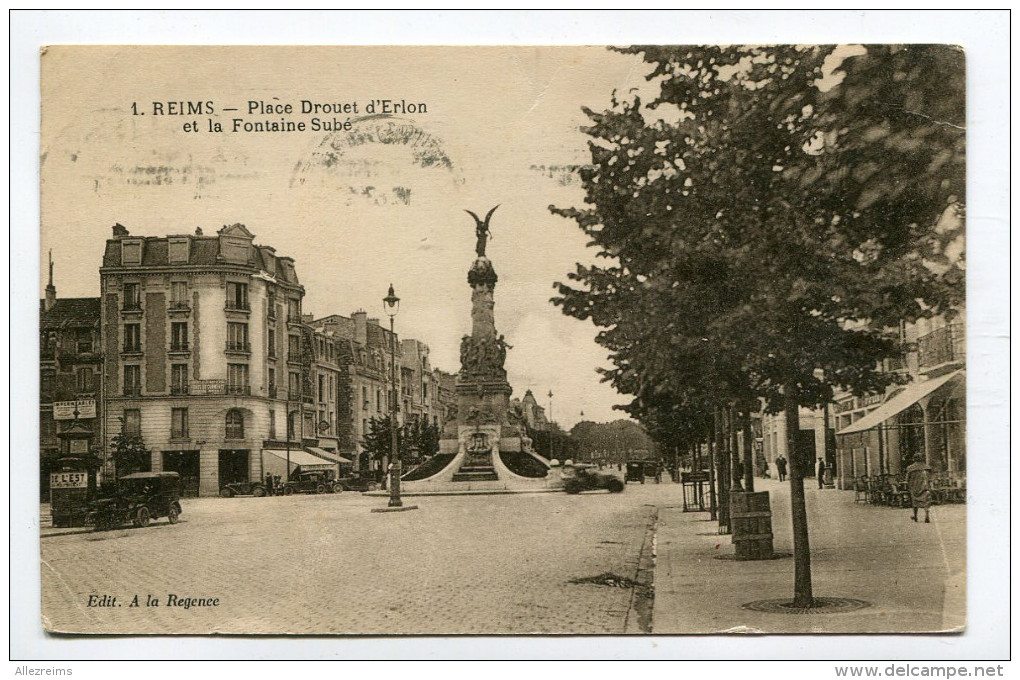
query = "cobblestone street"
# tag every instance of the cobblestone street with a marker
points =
(326, 564)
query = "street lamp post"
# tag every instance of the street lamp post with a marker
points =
(552, 443)
(391, 303)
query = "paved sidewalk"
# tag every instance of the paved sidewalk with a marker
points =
(913, 575)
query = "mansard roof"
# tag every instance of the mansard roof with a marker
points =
(71, 313)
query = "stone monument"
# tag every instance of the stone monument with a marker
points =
(488, 436)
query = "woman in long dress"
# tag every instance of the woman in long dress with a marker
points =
(919, 485)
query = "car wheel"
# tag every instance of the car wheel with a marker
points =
(226, 493)
(614, 485)
(338, 488)
(572, 487)
(258, 491)
(288, 491)
(320, 488)
(173, 515)
(142, 518)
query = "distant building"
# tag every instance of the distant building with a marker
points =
(369, 347)
(207, 358)
(534, 414)
(70, 406)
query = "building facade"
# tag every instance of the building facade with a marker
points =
(208, 361)
(70, 403)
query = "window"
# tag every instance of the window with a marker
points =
(85, 379)
(132, 296)
(293, 311)
(178, 378)
(364, 398)
(292, 419)
(178, 423)
(47, 425)
(295, 386)
(83, 342)
(271, 337)
(178, 294)
(272, 382)
(178, 336)
(235, 424)
(132, 380)
(46, 380)
(424, 392)
(132, 337)
(293, 348)
(237, 295)
(132, 426)
(237, 337)
(178, 250)
(364, 426)
(237, 379)
(378, 400)
(272, 424)
(272, 304)
(322, 388)
(332, 387)
(130, 253)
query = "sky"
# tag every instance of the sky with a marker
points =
(359, 208)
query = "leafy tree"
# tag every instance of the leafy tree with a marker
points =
(757, 231)
(130, 454)
(416, 439)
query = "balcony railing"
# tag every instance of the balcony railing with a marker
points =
(179, 347)
(272, 393)
(179, 389)
(238, 346)
(132, 349)
(944, 345)
(239, 389)
(236, 306)
(131, 306)
(132, 390)
(179, 305)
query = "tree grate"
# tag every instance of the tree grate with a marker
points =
(822, 605)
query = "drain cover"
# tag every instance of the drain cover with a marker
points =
(822, 605)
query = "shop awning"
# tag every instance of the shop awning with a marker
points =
(904, 400)
(306, 460)
(328, 455)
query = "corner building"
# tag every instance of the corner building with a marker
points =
(206, 353)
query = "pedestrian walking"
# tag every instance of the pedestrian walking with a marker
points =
(919, 485)
(269, 483)
(821, 472)
(781, 467)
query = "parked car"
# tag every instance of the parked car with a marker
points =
(139, 498)
(357, 482)
(313, 481)
(257, 489)
(586, 479)
(635, 472)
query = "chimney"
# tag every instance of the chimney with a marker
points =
(51, 290)
(360, 326)
(119, 230)
(198, 231)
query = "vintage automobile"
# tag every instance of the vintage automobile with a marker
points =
(357, 482)
(139, 498)
(635, 471)
(257, 489)
(313, 481)
(587, 479)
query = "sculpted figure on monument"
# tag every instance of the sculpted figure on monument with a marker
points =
(482, 232)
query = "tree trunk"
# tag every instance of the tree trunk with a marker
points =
(723, 473)
(713, 507)
(802, 596)
(736, 469)
(748, 450)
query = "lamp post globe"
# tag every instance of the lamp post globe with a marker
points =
(391, 304)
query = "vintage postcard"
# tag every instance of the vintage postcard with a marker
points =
(503, 340)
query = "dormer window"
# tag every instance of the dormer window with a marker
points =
(131, 252)
(179, 249)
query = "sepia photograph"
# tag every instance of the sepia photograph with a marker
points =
(503, 340)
